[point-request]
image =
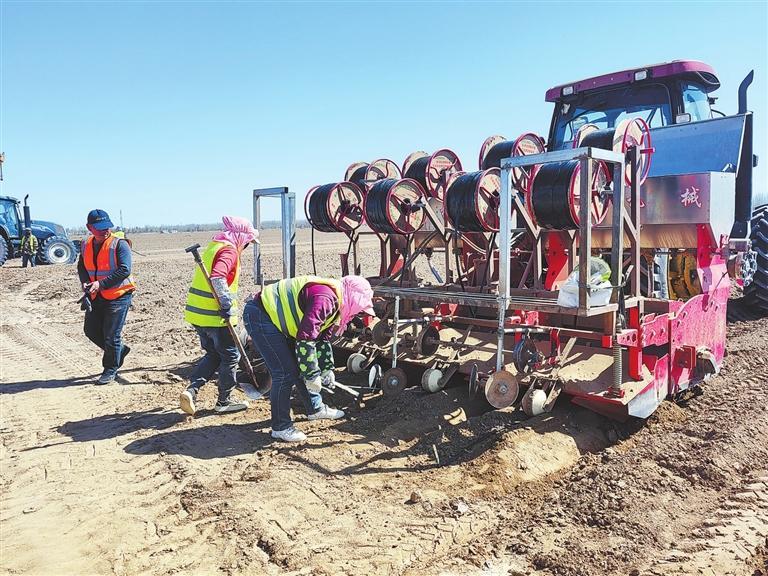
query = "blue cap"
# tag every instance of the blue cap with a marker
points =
(99, 219)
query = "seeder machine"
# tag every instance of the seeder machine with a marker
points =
(597, 266)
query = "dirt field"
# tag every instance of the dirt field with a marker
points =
(116, 480)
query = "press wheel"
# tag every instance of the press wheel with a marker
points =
(431, 380)
(393, 381)
(501, 389)
(381, 333)
(427, 342)
(356, 363)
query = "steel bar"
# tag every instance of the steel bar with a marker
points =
(635, 220)
(537, 301)
(288, 231)
(395, 331)
(617, 232)
(585, 229)
(561, 156)
(258, 277)
(504, 237)
(500, 336)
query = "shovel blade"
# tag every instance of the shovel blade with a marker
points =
(250, 391)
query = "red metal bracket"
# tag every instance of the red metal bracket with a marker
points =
(628, 337)
(685, 356)
(655, 330)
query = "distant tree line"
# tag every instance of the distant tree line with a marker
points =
(168, 228)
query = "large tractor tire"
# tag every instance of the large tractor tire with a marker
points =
(57, 250)
(654, 273)
(4, 250)
(756, 293)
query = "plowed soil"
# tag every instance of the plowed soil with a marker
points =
(116, 480)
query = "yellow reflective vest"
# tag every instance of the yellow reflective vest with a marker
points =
(202, 309)
(281, 301)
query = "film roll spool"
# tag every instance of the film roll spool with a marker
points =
(364, 174)
(394, 206)
(335, 207)
(496, 148)
(554, 198)
(432, 172)
(626, 134)
(472, 201)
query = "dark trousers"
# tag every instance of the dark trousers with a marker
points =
(280, 358)
(221, 354)
(104, 327)
(27, 258)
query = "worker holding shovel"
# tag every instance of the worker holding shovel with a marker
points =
(214, 314)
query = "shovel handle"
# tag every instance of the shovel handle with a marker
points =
(195, 250)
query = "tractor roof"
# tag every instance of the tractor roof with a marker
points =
(9, 198)
(692, 68)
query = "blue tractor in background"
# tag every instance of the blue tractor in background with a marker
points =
(53, 245)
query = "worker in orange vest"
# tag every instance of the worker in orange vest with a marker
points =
(104, 268)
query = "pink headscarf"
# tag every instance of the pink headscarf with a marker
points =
(237, 231)
(356, 297)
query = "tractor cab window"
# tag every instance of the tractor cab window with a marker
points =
(9, 217)
(606, 109)
(695, 103)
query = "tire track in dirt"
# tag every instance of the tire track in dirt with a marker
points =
(321, 524)
(36, 353)
(73, 503)
(726, 542)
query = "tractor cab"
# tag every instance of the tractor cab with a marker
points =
(688, 135)
(661, 95)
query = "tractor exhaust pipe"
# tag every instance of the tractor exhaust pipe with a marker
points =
(743, 205)
(27, 217)
(743, 87)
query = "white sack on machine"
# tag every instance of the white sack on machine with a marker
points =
(599, 286)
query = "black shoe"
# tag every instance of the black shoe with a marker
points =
(126, 350)
(107, 376)
(230, 406)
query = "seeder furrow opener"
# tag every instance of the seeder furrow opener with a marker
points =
(597, 267)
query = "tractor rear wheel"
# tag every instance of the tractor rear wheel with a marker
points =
(57, 250)
(654, 273)
(4, 250)
(756, 293)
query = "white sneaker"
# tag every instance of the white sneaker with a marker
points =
(327, 413)
(187, 401)
(289, 435)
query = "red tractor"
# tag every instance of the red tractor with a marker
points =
(597, 264)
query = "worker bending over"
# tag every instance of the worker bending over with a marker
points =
(104, 268)
(309, 310)
(28, 248)
(221, 260)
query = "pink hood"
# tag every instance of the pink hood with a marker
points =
(237, 231)
(356, 297)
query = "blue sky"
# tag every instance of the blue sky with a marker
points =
(174, 111)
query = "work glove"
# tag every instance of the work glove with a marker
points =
(225, 313)
(315, 384)
(328, 378)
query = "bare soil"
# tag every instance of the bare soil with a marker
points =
(116, 480)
